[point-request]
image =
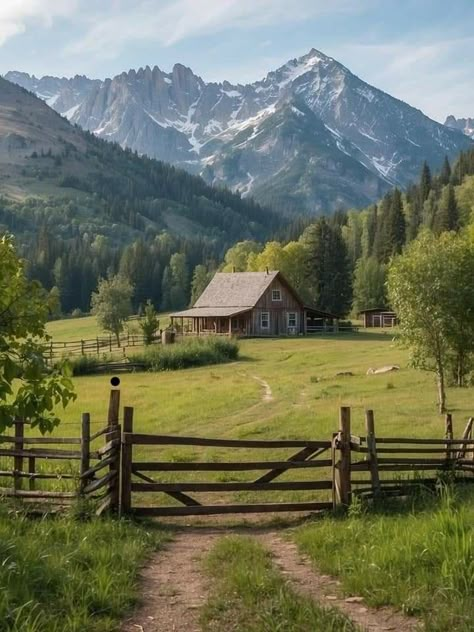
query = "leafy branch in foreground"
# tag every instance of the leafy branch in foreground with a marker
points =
(27, 388)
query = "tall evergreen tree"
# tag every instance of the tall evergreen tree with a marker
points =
(445, 173)
(328, 267)
(425, 182)
(396, 223)
(447, 216)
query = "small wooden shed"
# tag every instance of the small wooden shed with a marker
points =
(250, 304)
(379, 317)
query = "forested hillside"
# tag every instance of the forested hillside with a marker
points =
(339, 264)
(75, 203)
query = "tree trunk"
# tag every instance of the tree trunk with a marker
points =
(441, 391)
(117, 335)
(460, 369)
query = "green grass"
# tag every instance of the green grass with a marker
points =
(64, 575)
(248, 594)
(71, 329)
(227, 401)
(190, 352)
(420, 560)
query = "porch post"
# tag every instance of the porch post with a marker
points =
(230, 325)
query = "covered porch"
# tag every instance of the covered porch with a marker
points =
(317, 321)
(203, 321)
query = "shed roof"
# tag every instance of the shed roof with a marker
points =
(385, 310)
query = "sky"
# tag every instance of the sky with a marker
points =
(420, 51)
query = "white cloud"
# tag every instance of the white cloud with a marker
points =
(169, 22)
(15, 15)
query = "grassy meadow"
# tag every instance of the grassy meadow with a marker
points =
(279, 388)
(420, 556)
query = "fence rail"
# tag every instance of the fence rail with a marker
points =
(102, 468)
(95, 346)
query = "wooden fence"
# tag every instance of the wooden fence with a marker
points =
(78, 470)
(114, 477)
(95, 346)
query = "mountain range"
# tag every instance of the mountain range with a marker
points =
(55, 174)
(310, 137)
(466, 125)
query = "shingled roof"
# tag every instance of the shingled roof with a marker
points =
(231, 293)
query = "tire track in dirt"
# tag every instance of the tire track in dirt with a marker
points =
(325, 590)
(175, 587)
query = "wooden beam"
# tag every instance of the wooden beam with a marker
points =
(208, 510)
(171, 466)
(231, 487)
(372, 451)
(148, 439)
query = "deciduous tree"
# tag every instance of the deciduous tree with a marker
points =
(27, 388)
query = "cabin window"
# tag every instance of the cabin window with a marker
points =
(276, 295)
(265, 320)
(291, 319)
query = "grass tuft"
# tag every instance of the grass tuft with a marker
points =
(419, 560)
(64, 575)
(249, 595)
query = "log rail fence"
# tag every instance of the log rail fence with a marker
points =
(49, 473)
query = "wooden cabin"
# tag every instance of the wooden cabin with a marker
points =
(251, 304)
(379, 317)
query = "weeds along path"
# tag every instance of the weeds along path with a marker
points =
(325, 589)
(175, 588)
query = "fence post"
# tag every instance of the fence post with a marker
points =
(82, 347)
(343, 467)
(372, 451)
(113, 422)
(32, 470)
(110, 343)
(449, 435)
(97, 345)
(18, 459)
(126, 478)
(85, 448)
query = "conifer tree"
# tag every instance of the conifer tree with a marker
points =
(447, 216)
(445, 173)
(328, 267)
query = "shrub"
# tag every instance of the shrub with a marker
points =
(191, 352)
(188, 353)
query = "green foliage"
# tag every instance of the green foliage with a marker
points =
(188, 353)
(369, 285)
(112, 304)
(248, 594)
(149, 323)
(419, 558)
(328, 267)
(27, 389)
(201, 279)
(430, 287)
(62, 575)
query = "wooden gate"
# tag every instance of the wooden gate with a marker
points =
(136, 476)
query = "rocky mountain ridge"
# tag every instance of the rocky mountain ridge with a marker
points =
(310, 136)
(466, 125)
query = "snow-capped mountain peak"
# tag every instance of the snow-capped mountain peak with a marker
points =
(310, 135)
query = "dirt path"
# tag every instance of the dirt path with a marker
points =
(267, 391)
(175, 588)
(325, 590)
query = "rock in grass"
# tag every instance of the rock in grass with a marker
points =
(383, 369)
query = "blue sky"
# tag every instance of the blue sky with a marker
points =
(420, 51)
